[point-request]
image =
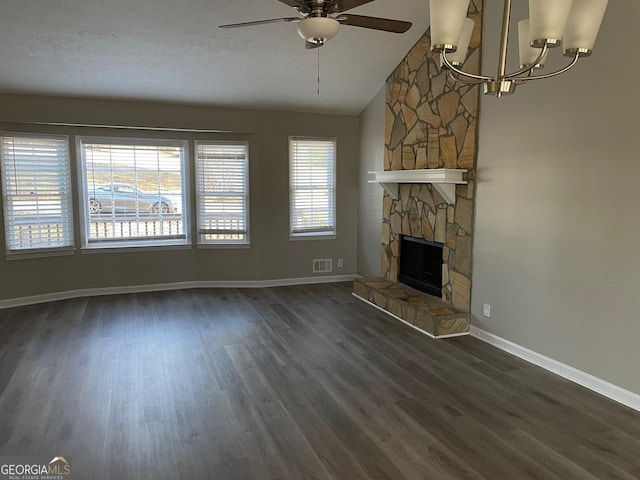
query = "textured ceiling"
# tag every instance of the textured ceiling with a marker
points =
(172, 51)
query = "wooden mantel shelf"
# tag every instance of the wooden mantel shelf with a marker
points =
(443, 179)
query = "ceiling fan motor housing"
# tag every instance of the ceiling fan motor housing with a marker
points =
(318, 29)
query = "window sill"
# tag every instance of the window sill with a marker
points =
(134, 248)
(213, 246)
(312, 236)
(42, 253)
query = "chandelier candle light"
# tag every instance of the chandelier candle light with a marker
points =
(572, 23)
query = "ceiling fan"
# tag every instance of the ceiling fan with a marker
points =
(319, 20)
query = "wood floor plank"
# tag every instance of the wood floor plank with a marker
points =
(417, 456)
(288, 383)
(336, 459)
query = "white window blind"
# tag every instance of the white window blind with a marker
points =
(36, 187)
(222, 171)
(134, 191)
(312, 185)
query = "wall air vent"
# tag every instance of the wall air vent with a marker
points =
(322, 265)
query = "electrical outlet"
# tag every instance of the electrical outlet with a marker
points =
(340, 263)
(486, 310)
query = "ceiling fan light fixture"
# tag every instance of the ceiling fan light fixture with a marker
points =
(318, 29)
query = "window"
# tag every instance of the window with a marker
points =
(36, 188)
(134, 192)
(222, 171)
(312, 186)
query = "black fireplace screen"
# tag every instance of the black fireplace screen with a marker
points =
(421, 264)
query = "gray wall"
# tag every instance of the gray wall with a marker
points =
(370, 194)
(271, 256)
(557, 223)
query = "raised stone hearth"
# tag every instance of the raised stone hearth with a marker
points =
(426, 312)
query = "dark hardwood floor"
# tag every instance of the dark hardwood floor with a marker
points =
(300, 382)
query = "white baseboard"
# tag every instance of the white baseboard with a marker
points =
(609, 390)
(92, 292)
(451, 335)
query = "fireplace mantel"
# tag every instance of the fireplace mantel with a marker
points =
(443, 179)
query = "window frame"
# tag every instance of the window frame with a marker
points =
(69, 248)
(223, 243)
(313, 235)
(88, 246)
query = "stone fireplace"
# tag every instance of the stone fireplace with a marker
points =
(431, 122)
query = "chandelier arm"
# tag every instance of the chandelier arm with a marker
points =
(448, 64)
(523, 80)
(528, 70)
(468, 81)
(553, 74)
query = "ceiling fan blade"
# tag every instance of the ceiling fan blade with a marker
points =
(375, 23)
(312, 45)
(301, 6)
(261, 22)
(338, 6)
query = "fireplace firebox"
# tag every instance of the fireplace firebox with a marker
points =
(421, 264)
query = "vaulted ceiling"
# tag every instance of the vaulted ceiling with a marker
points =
(173, 51)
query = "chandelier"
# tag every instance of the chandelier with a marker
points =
(572, 23)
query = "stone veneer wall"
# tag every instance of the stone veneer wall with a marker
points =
(431, 122)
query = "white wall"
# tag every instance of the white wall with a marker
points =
(370, 194)
(557, 213)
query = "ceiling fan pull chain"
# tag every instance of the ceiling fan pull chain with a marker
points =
(318, 50)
